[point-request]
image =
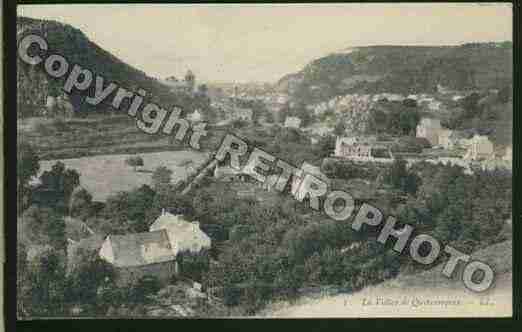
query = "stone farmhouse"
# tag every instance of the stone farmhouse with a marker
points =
(153, 253)
(142, 254)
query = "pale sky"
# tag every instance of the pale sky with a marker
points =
(240, 43)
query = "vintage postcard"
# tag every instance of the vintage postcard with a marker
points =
(275, 160)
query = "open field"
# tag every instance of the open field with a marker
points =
(427, 294)
(104, 175)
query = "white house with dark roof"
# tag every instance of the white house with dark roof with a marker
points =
(140, 254)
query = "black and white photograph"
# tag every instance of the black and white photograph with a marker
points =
(318, 160)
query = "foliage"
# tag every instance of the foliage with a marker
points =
(401, 178)
(410, 144)
(128, 211)
(161, 179)
(43, 226)
(89, 279)
(45, 279)
(193, 265)
(325, 146)
(402, 69)
(27, 166)
(394, 118)
(59, 183)
(142, 288)
(81, 204)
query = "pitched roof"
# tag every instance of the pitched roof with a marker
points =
(182, 234)
(141, 248)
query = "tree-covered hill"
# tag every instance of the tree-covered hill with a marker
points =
(403, 69)
(34, 85)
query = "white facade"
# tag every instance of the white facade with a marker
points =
(480, 148)
(508, 156)
(445, 139)
(50, 103)
(429, 129)
(292, 122)
(183, 235)
(361, 149)
(243, 114)
(106, 251)
(434, 105)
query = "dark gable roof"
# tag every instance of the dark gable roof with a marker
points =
(141, 248)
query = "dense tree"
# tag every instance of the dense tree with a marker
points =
(401, 178)
(27, 166)
(43, 226)
(81, 203)
(408, 122)
(143, 288)
(128, 211)
(161, 179)
(325, 146)
(60, 182)
(47, 285)
(340, 129)
(89, 278)
(470, 104)
(193, 265)
(394, 118)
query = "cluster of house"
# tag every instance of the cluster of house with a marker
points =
(363, 149)
(187, 84)
(478, 147)
(340, 104)
(229, 111)
(479, 150)
(153, 253)
(229, 174)
(271, 99)
(364, 101)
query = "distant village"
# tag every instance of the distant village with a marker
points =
(154, 253)
(466, 148)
